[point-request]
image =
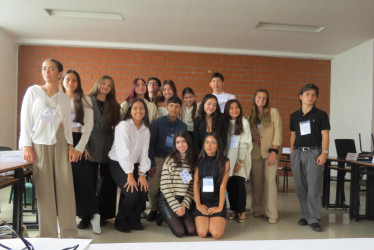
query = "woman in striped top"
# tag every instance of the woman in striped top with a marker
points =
(177, 187)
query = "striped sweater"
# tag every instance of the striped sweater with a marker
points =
(171, 184)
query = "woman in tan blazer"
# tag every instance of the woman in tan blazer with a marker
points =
(266, 128)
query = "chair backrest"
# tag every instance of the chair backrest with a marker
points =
(344, 146)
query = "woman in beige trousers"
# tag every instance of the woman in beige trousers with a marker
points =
(266, 128)
(46, 138)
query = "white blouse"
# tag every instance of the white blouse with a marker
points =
(222, 99)
(88, 123)
(239, 148)
(162, 111)
(187, 116)
(33, 128)
(131, 146)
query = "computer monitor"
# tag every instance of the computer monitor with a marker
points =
(344, 146)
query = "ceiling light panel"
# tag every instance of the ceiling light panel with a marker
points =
(289, 27)
(84, 14)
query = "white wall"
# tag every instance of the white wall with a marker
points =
(352, 92)
(8, 93)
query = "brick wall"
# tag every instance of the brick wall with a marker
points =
(283, 77)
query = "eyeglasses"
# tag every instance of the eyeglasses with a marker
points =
(140, 85)
(152, 84)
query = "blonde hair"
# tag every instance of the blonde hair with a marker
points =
(254, 115)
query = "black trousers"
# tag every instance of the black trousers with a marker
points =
(237, 193)
(131, 204)
(184, 225)
(106, 189)
(84, 186)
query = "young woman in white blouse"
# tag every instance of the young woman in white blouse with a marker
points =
(238, 150)
(82, 124)
(168, 90)
(190, 110)
(46, 138)
(129, 162)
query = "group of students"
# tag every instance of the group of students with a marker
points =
(182, 157)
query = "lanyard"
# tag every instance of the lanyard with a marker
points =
(214, 164)
(45, 99)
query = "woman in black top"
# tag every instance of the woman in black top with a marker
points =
(210, 180)
(209, 119)
(106, 117)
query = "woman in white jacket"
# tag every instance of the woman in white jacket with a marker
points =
(46, 138)
(82, 124)
(238, 150)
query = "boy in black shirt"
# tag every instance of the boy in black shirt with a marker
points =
(309, 149)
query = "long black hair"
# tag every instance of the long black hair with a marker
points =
(188, 90)
(78, 97)
(128, 111)
(220, 158)
(162, 97)
(216, 125)
(175, 154)
(239, 120)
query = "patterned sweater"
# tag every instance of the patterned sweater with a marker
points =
(171, 184)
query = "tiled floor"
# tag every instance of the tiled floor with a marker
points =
(335, 223)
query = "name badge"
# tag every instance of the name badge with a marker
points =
(305, 128)
(259, 127)
(186, 177)
(48, 114)
(208, 184)
(169, 141)
(234, 141)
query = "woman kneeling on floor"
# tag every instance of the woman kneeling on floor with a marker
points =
(177, 187)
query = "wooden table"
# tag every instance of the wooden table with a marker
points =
(18, 182)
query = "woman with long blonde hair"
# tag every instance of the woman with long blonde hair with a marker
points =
(266, 129)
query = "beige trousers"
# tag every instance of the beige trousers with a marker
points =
(264, 188)
(54, 189)
(154, 184)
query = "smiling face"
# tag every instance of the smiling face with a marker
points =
(261, 99)
(50, 72)
(309, 97)
(210, 106)
(189, 99)
(210, 146)
(167, 91)
(70, 83)
(181, 144)
(234, 111)
(137, 111)
(105, 86)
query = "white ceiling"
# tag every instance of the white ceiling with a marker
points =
(221, 26)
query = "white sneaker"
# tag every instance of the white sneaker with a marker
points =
(95, 222)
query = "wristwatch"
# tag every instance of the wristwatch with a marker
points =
(325, 151)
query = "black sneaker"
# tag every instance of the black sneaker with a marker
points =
(83, 224)
(316, 227)
(302, 222)
(152, 216)
(123, 228)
